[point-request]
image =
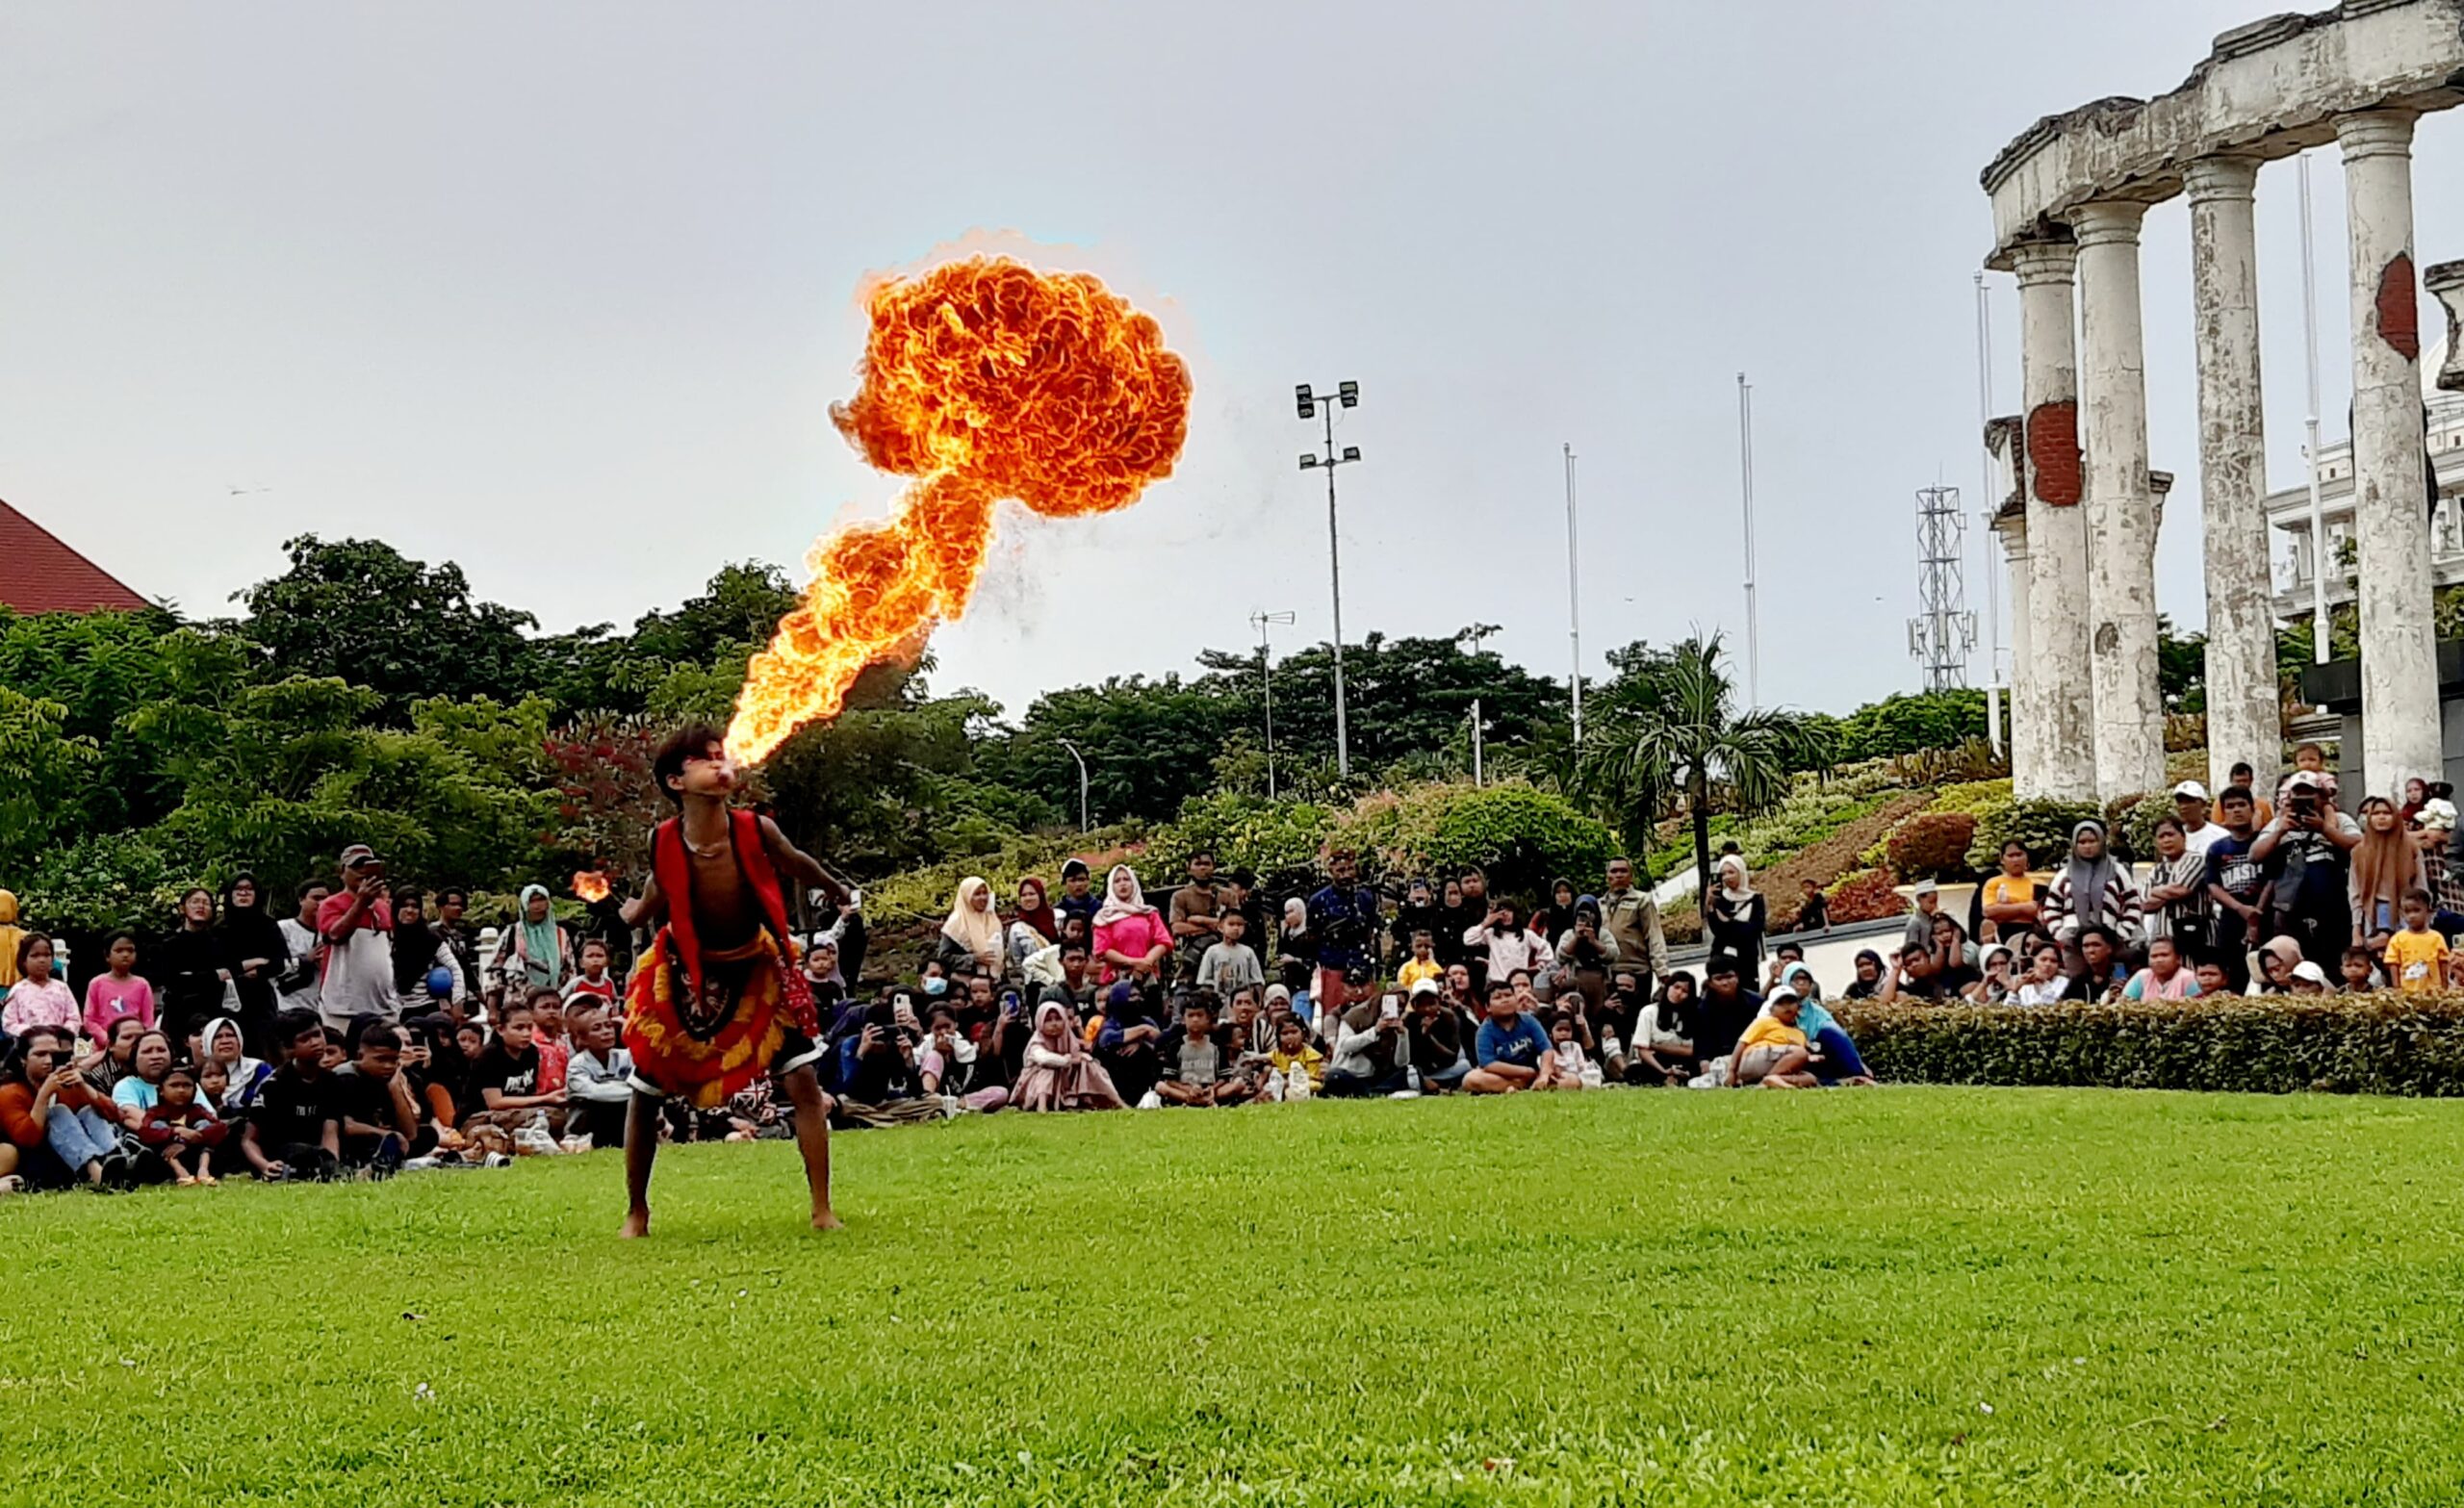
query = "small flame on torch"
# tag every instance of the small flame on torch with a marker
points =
(590, 884)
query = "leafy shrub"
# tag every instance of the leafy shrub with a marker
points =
(2043, 825)
(2272, 1044)
(1932, 845)
(2130, 822)
(99, 882)
(1866, 895)
(1973, 797)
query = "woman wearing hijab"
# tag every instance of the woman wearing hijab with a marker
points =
(2090, 890)
(2386, 867)
(2279, 957)
(534, 954)
(1130, 938)
(1662, 1049)
(188, 969)
(1036, 915)
(1868, 981)
(1058, 1073)
(1737, 917)
(1295, 952)
(1555, 919)
(222, 1042)
(1418, 912)
(255, 953)
(419, 950)
(971, 941)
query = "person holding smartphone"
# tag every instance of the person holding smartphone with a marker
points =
(356, 924)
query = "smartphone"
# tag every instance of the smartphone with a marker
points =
(856, 898)
(1393, 1009)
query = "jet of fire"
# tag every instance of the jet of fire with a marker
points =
(983, 379)
(590, 884)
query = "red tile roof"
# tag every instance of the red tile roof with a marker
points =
(41, 574)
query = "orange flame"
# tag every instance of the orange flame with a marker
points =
(983, 379)
(590, 884)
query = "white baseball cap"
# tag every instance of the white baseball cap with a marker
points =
(2192, 789)
(2308, 970)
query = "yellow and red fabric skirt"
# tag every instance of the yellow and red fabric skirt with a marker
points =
(749, 1015)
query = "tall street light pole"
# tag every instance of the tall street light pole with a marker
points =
(1346, 394)
(1745, 469)
(1574, 594)
(1082, 780)
(1265, 675)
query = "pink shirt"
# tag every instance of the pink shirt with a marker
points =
(50, 1003)
(1132, 938)
(109, 999)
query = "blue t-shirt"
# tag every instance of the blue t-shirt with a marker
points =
(1520, 1044)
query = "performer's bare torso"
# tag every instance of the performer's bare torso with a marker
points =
(726, 914)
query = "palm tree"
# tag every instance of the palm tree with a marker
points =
(1668, 726)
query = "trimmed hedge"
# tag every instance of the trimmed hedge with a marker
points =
(2272, 1045)
(1932, 845)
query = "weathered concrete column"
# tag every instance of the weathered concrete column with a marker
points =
(2446, 282)
(2129, 714)
(2057, 632)
(2400, 715)
(2026, 758)
(2243, 718)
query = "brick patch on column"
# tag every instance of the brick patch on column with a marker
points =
(2399, 319)
(2053, 452)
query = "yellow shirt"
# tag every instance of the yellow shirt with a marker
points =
(1414, 971)
(2418, 961)
(2004, 891)
(1771, 1032)
(1309, 1058)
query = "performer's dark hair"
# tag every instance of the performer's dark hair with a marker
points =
(692, 741)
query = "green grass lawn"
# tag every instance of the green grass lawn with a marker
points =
(1903, 1296)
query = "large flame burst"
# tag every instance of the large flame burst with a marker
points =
(983, 379)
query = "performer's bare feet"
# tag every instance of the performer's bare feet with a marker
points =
(826, 1220)
(637, 1223)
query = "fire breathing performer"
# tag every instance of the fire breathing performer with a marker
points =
(718, 1001)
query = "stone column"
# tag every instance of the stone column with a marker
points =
(2399, 712)
(2129, 714)
(2057, 632)
(2026, 760)
(2243, 718)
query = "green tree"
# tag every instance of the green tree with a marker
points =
(1670, 729)
(360, 611)
(1912, 721)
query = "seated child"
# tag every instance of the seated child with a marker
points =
(1295, 1069)
(1565, 1067)
(1193, 1071)
(1773, 1052)
(504, 1082)
(380, 1117)
(180, 1126)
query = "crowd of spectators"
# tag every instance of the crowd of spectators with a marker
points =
(373, 1028)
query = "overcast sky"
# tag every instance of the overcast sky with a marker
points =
(563, 291)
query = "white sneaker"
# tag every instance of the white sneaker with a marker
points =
(498, 1159)
(420, 1165)
(1150, 1100)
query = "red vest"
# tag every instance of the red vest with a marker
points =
(674, 871)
